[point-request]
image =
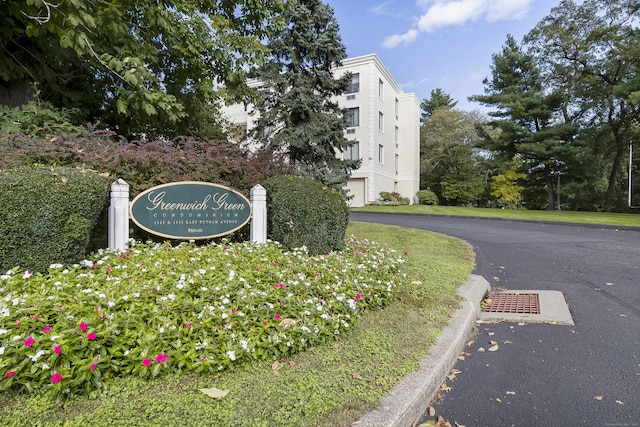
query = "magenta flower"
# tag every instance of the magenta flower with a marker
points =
(92, 367)
(57, 349)
(233, 312)
(10, 374)
(91, 336)
(29, 342)
(161, 357)
(277, 317)
(265, 323)
(18, 324)
(56, 378)
(82, 326)
(146, 362)
(46, 329)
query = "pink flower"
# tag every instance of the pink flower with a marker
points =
(10, 374)
(46, 329)
(56, 378)
(265, 323)
(29, 342)
(224, 326)
(92, 367)
(161, 357)
(146, 362)
(277, 317)
(57, 349)
(18, 324)
(91, 336)
(82, 326)
(278, 286)
(233, 312)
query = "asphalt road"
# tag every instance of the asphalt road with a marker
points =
(545, 374)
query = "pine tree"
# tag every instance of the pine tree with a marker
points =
(299, 117)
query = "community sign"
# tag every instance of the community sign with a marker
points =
(190, 210)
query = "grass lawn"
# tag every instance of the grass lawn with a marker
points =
(328, 385)
(604, 218)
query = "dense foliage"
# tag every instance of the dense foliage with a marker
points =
(299, 116)
(305, 213)
(154, 309)
(565, 102)
(48, 215)
(140, 67)
(144, 164)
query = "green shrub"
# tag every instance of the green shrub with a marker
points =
(302, 212)
(427, 197)
(47, 215)
(394, 199)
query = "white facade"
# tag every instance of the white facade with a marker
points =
(385, 125)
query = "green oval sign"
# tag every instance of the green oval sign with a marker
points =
(190, 210)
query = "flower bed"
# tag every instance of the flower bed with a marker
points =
(158, 308)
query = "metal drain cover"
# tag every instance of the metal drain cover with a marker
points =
(512, 303)
(526, 306)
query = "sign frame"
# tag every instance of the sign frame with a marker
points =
(213, 210)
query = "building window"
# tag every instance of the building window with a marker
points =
(352, 153)
(380, 121)
(354, 86)
(380, 88)
(380, 153)
(397, 163)
(397, 108)
(353, 115)
(397, 134)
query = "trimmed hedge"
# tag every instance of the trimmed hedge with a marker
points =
(47, 215)
(302, 212)
(427, 197)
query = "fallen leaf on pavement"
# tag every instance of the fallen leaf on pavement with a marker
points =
(444, 387)
(491, 334)
(470, 343)
(214, 393)
(355, 423)
(511, 393)
(598, 397)
(609, 284)
(619, 402)
(507, 342)
(498, 400)
(432, 411)
(494, 348)
(481, 350)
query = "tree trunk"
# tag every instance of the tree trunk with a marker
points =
(16, 93)
(550, 195)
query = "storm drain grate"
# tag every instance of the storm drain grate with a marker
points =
(512, 303)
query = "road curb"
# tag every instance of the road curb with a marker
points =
(408, 400)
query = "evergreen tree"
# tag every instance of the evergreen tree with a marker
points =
(529, 120)
(439, 98)
(299, 117)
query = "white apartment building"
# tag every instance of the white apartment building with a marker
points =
(385, 123)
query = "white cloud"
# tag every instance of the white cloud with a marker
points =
(442, 13)
(396, 39)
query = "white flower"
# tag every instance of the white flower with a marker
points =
(36, 356)
(1, 351)
(57, 265)
(111, 303)
(243, 343)
(17, 337)
(172, 297)
(136, 294)
(204, 289)
(180, 286)
(26, 274)
(225, 300)
(45, 366)
(5, 277)
(3, 331)
(232, 355)
(4, 312)
(161, 329)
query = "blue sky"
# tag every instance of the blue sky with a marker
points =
(429, 44)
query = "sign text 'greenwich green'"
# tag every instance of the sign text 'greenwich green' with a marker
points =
(190, 210)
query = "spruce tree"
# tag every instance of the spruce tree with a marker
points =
(300, 117)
